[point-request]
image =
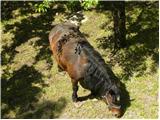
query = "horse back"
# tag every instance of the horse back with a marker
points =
(75, 64)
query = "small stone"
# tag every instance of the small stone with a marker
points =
(78, 104)
(94, 100)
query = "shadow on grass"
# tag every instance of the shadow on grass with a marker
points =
(21, 94)
(18, 91)
(142, 39)
(27, 29)
(22, 89)
(46, 110)
(30, 27)
(8, 7)
(143, 44)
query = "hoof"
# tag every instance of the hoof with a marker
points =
(62, 73)
(78, 104)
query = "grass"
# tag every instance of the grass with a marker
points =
(32, 87)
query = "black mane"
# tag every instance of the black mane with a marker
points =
(99, 77)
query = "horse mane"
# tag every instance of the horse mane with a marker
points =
(104, 77)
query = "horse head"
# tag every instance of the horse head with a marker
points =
(112, 98)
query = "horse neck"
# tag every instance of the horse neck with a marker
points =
(99, 69)
(96, 60)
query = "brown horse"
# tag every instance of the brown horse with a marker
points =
(75, 55)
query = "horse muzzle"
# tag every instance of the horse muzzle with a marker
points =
(116, 110)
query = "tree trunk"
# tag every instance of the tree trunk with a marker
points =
(119, 24)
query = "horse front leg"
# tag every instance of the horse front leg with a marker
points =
(59, 68)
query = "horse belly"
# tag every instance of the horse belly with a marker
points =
(88, 83)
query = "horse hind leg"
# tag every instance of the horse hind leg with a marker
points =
(74, 94)
(75, 89)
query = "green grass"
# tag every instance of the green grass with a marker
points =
(32, 87)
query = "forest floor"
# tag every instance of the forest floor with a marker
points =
(32, 87)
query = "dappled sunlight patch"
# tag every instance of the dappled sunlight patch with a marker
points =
(7, 39)
(132, 15)
(92, 26)
(16, 13)
(150, 64)
(43, 67)
(131, 35)
(25, 55)
(11, 114)
(60, 17)
(118, 70)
